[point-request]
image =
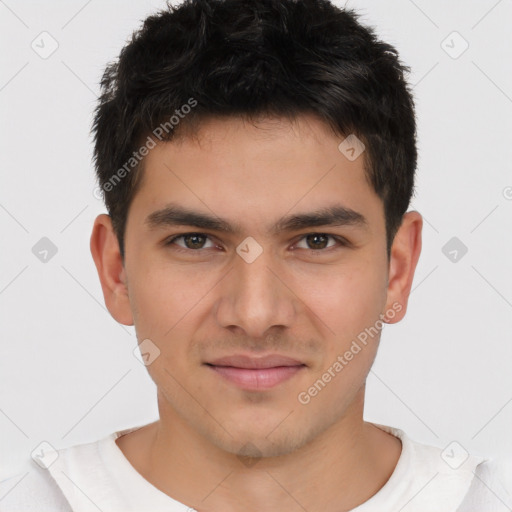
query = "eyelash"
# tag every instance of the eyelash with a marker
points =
(342, 242)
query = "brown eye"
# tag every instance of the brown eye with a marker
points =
(192, 241)
(319, 241)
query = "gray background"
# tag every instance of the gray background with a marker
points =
(67, 370)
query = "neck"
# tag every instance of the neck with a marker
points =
(343, 467)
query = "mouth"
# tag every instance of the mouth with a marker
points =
(256, 374)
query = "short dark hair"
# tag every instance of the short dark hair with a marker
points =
(252, 58)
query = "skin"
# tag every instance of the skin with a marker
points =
(295, 299)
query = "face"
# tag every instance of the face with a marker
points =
(255, 302)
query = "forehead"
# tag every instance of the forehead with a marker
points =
(236, 169)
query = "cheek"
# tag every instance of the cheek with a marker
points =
(160, 297)
(349, 304)
(172, 304)
(347, 299)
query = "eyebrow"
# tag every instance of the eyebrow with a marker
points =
(175, 215)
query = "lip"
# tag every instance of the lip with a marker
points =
(256, 374)
(243, 361)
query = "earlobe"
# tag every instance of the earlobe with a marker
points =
(111, 271)
(405, 253)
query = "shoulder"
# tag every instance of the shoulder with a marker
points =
(450, 478)
(45, 483)
(491, 487)
(33, 489)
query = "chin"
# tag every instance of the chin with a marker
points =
(259, 447)
(251, 443)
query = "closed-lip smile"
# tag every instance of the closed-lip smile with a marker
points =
(256, 373)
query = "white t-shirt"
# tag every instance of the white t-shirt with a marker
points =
(97, 476)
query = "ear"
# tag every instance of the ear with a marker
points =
(405, 253)
(107, 258)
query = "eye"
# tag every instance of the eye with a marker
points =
(192, 241)
(319, 241)
(197, 241)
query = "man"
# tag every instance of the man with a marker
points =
(257, 160)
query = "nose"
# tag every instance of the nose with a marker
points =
(255, 297)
